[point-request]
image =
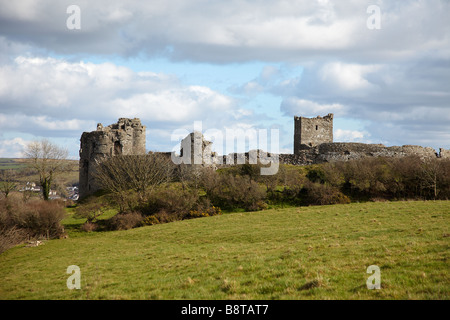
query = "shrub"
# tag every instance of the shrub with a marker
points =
(10, 237)
(125, 221)
(150, 221)
(205, 212)
(40, 218)
(257, 206)
(164, 217)
(89, 226)
(170, 200)
(29, 220)
(90, 210)
(322, 194)
(229, 191)
(45, 218)
(316, 174)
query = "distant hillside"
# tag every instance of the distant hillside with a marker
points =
(12, 163)
(24, 174)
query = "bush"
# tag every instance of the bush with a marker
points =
(10, 237)
(232, 192)
(171, 201)
(322, 194)
(89, 226)
(205, 212)
(90, 210)
(316, 174)
(165, 217)
(43, 218)
(287, 186)
(125, 221)
(36, 219)
(150, 221)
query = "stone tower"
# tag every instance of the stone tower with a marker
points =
(126, 137)
(310, 132)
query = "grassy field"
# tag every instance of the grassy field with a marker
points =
(292, 253)
(11, 163)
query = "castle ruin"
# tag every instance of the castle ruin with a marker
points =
(311, 132)
(195, 149)
(313, 143)
(126, 137)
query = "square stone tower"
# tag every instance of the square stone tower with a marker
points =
(126, 137)
(310, 132)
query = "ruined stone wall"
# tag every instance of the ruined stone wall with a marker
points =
(126, 137)
(196, 150)
(310, 132)
(350, 151)
(444, 154)
(345, 151)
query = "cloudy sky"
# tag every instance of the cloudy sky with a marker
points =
(230, 64)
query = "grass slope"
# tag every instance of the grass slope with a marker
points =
(11, 163)
(292, 253)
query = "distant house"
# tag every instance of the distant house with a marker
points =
(31, 186)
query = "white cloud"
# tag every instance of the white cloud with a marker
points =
(72, 90)
(345, 76)
(56, 98)
(308, 108)
(233, 30)
(175, 105)
(394, 79)
(341, 135)
(12, 148)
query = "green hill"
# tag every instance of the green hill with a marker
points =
(293, 253)
(12, 163)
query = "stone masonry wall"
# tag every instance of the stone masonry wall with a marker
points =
(126, 137)
(444, 154)
(310, 132)
(332, 152)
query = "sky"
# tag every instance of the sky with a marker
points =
(381, 67)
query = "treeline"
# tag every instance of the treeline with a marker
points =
(387, 178)
(151, 189)
(367, 180)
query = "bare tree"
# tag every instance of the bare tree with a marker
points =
(140, 173)
(430, 172)
(48, 160)
(7, 181)
(189, 175)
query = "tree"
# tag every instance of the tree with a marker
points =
(139, 173)
(429, 175)
(90, 210)
(7, 181)
(48, 160)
